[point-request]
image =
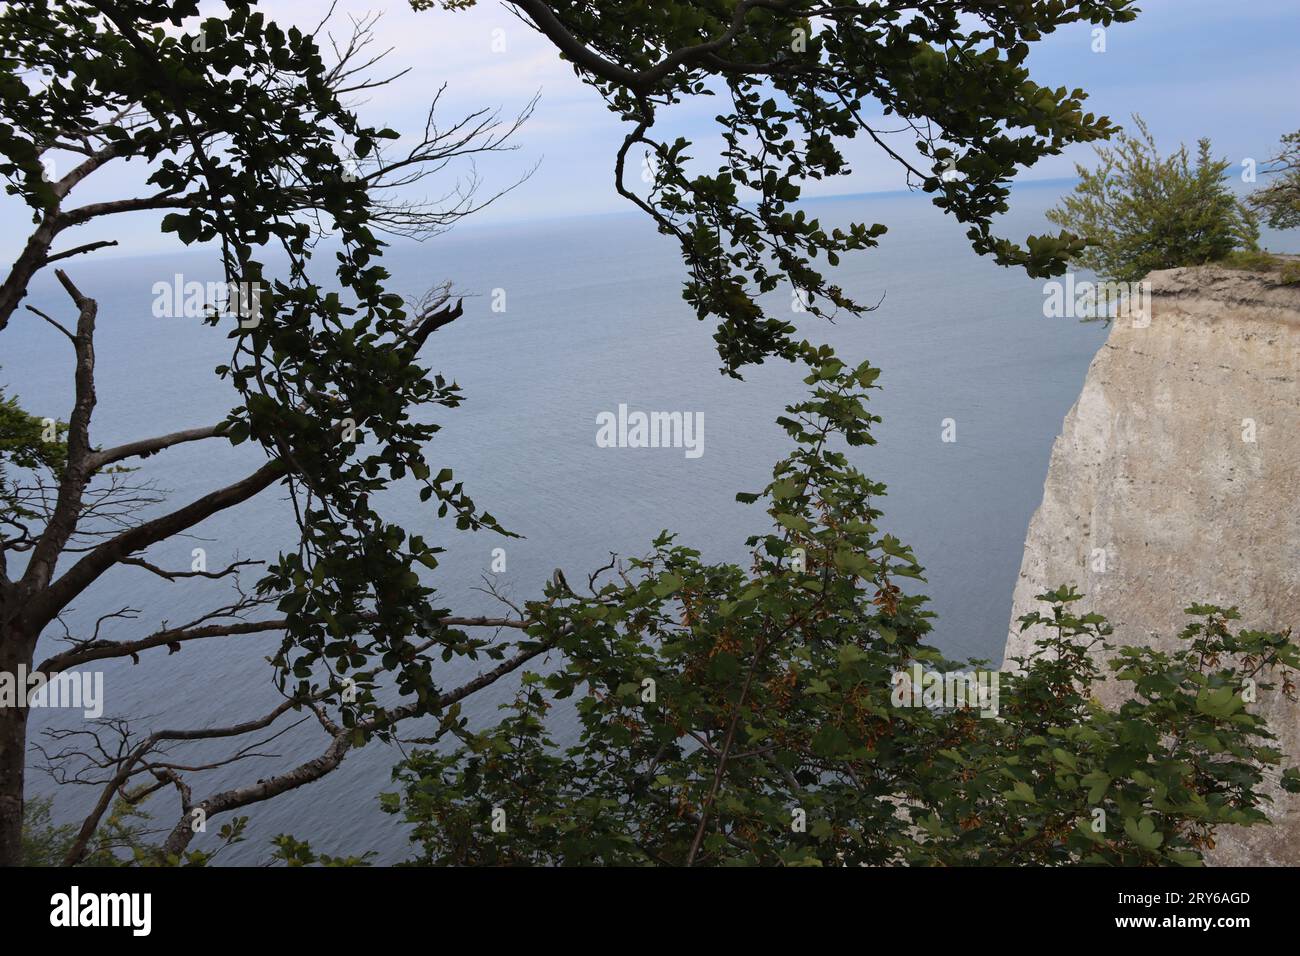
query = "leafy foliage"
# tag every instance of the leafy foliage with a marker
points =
(23, 445)
(1279, 199)
(950, 77)
(247, 144)
(122, 837)
(295, 853)
(247, 132)
(719, 705)
(713, 700)
(22, 442)
(1142, 211)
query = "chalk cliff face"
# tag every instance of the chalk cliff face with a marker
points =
(1176, 479)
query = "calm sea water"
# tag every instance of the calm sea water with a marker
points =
(593, 318)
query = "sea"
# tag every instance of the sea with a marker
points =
(564, 320)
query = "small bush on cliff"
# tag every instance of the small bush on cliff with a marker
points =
(1141, 211)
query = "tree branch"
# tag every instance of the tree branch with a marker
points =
(82, 574)
(642, 81)
(148, 446)
(175, 636)
(341, 742)
(72, 482)
(78, 250)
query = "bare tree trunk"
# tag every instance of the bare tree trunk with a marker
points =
(13, 753)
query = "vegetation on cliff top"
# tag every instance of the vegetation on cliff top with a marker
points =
(1141, 211)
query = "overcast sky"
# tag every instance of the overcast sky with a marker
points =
(1191, 68)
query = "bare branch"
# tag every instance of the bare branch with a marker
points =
(63, 520)
(148, 446)
(82, 574)
(58, 325)
(75, 217)
(173, 575)
(173, 638)
(78, 250)
(312, 770)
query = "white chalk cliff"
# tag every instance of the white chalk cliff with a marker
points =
(1180, 463)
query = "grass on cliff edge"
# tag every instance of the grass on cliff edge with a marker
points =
(1285, 267)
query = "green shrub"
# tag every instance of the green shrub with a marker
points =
(1141, 211)
(741, 714)
(46, 843)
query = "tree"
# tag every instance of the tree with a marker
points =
(1141, 211)
(1279, 200)
(248, 142)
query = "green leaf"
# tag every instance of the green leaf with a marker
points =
(667, 584)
